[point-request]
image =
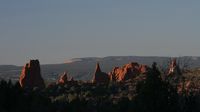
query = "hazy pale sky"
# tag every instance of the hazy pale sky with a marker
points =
(56, 30)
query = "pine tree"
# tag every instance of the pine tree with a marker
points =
(154, 95)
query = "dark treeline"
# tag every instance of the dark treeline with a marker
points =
(144, 93)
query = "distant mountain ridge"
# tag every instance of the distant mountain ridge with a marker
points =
(83, 68)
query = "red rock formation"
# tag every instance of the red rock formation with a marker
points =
(63, 78)
(128, 71)
(174, 68)
(99, 76)
(66, 79)
(71, 79)
(143, 69)
(186, 87)
(31, 75)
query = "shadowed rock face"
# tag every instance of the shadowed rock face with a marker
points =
(31, 75)
(99, 76)
(128, 71)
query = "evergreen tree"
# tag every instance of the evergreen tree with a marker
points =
(154, 95)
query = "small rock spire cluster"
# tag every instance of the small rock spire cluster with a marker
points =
(174, 68)
(64, 78)
(126, 72)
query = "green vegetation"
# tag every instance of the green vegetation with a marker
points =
(145, 93)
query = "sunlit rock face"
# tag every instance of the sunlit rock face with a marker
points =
(99, 76)
(174, 68)
(128, 71)
(31, 75)
(63, 78)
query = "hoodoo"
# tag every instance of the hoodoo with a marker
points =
(174, 68)
(63, 78)
(99, 76)
(31, 75)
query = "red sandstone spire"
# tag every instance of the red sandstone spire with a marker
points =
(100, 76)
(174, 68)
(63, 78)
(98, 69)
(31, 75)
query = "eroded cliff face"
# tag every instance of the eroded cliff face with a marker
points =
(99, 76)
(31, 75)
(128, 71)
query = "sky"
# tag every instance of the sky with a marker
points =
(54, 31)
